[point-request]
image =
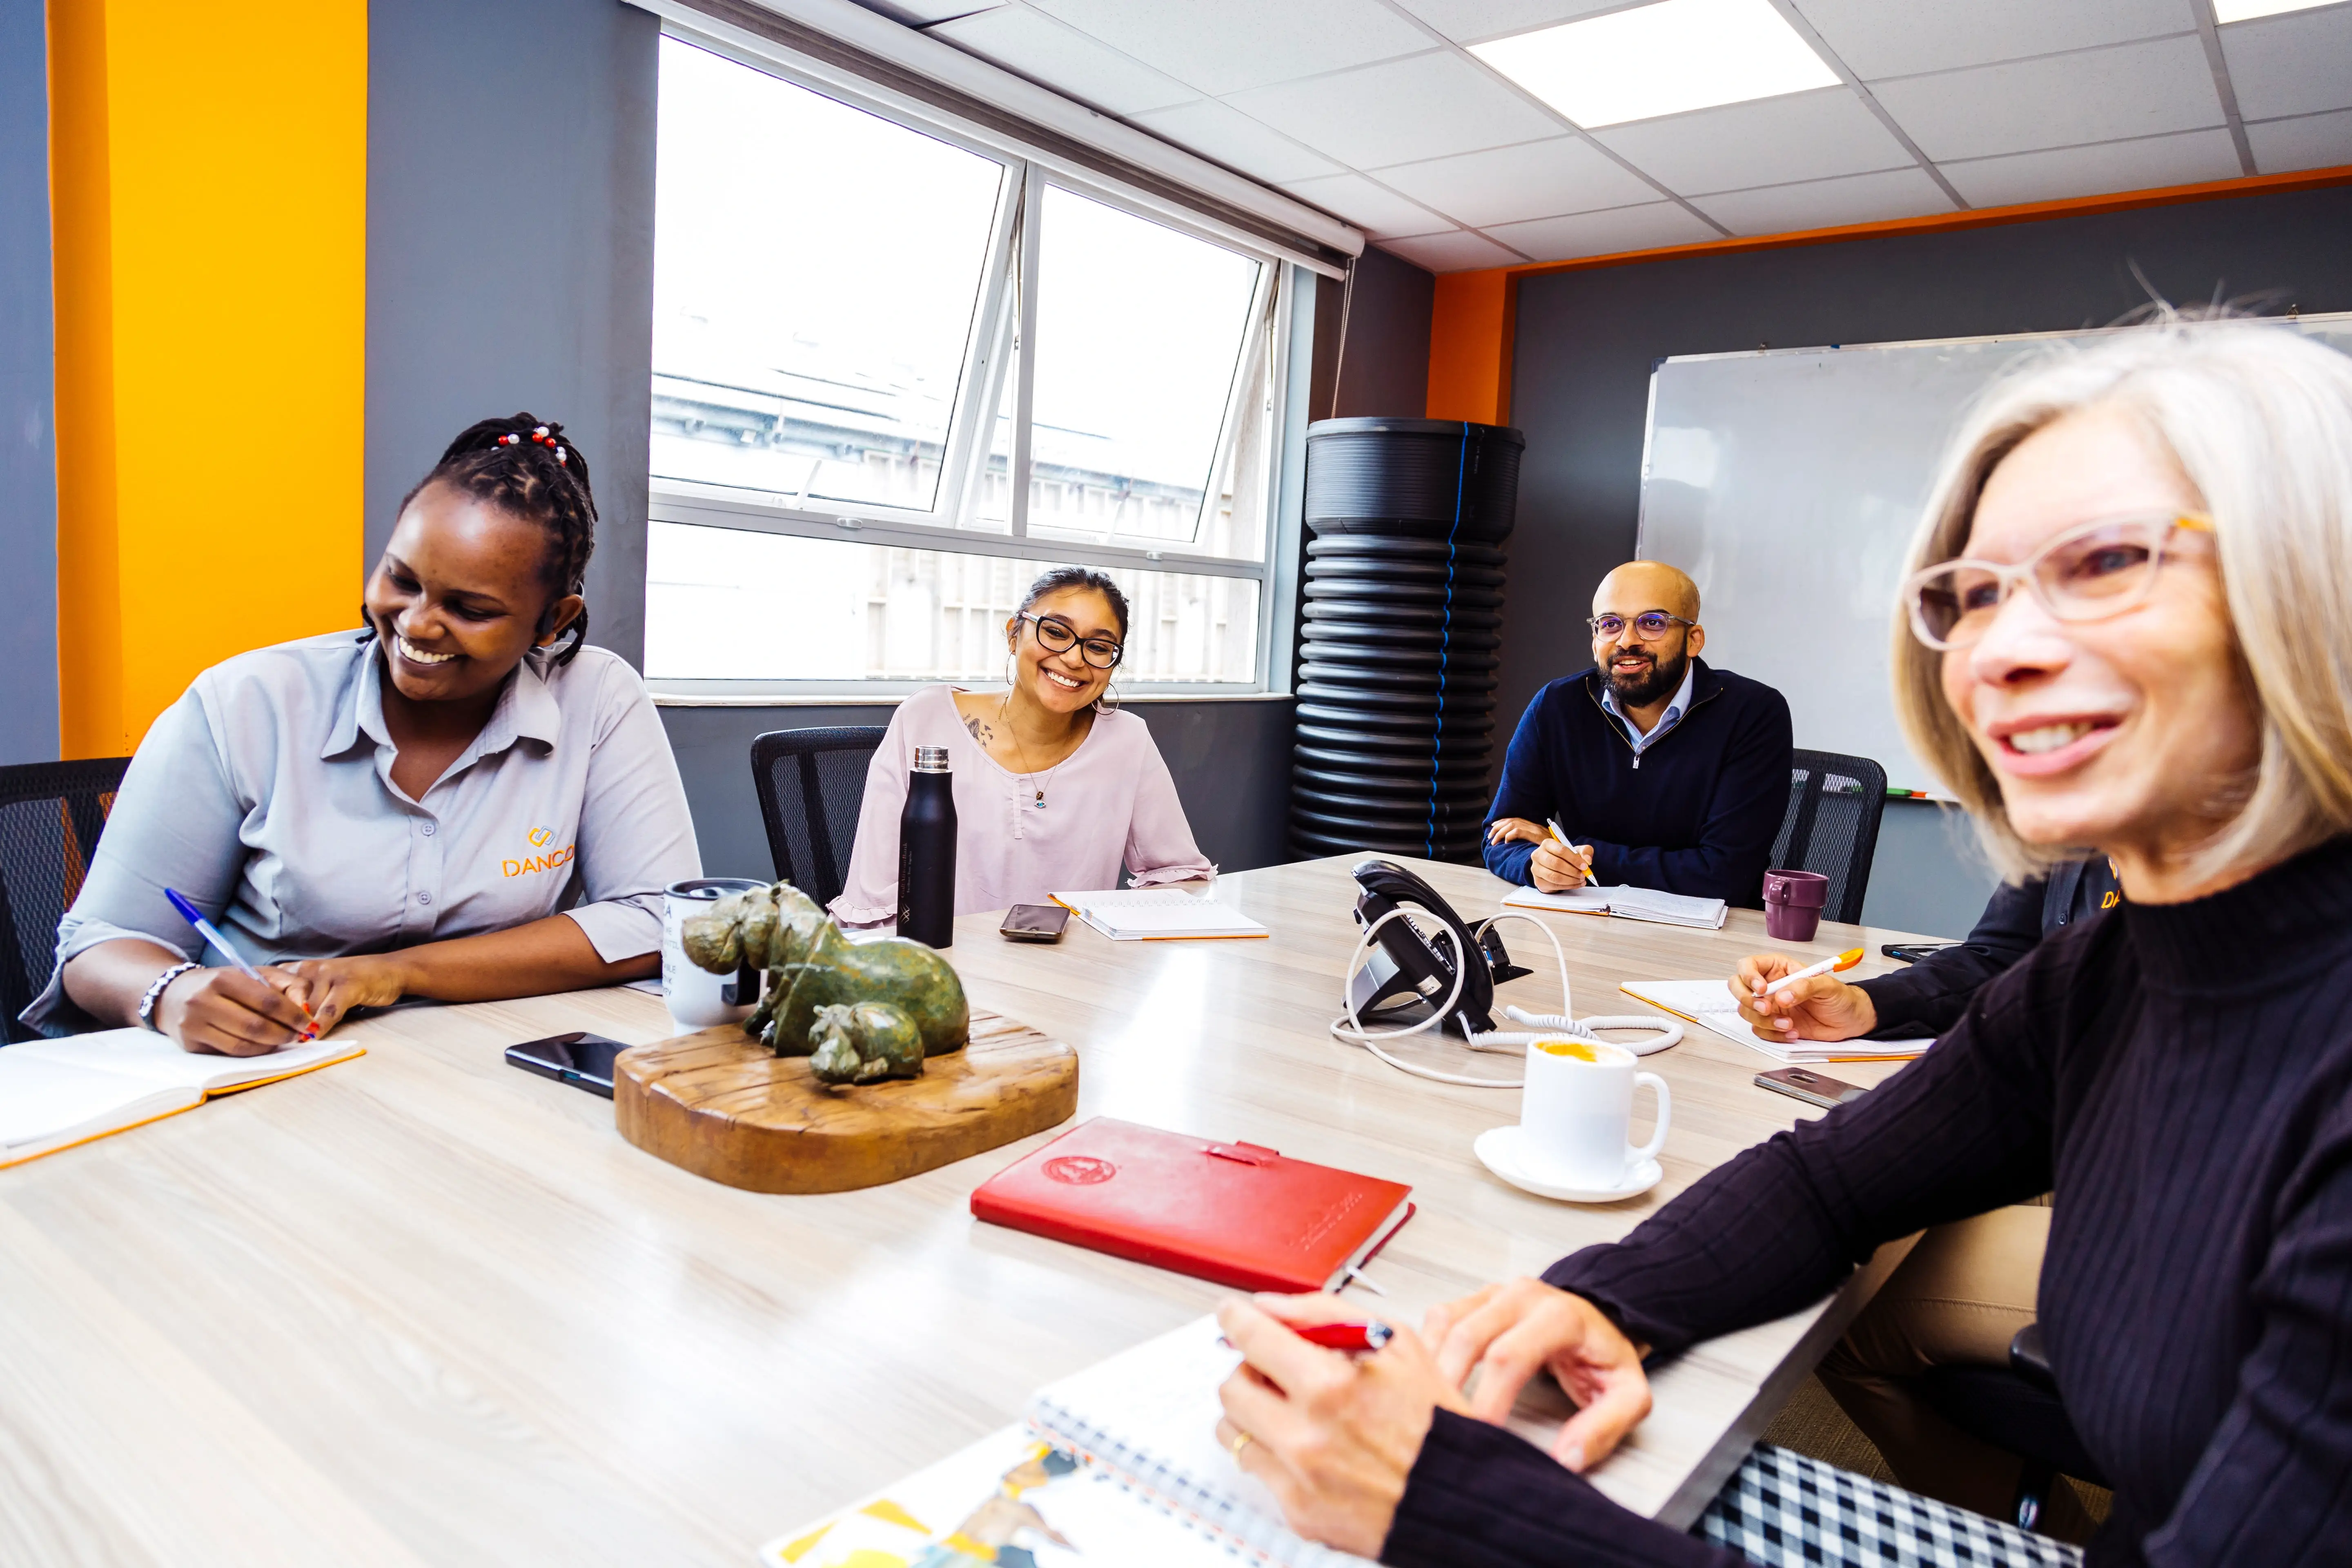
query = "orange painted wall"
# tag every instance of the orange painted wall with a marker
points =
(1472, 324)
(209, 204)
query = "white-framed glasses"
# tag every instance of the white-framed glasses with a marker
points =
(2086, 574)
(1649, 626)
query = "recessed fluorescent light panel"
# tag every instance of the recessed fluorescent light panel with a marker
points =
(2247, 10)
(1662, 59)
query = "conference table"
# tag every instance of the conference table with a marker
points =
(422, 1308)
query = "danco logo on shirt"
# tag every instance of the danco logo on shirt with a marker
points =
(545, 860)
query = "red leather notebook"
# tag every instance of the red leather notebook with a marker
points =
(1235, 1212)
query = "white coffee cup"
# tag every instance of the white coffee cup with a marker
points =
(1576, 1112)
(697, 998)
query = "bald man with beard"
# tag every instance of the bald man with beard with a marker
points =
(1664, 772)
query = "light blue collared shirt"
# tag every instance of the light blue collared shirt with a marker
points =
(1667, 721)
(266, 796)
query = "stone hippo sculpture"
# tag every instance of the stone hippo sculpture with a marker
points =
(864, 1010)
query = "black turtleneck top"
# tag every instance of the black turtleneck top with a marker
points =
(2181, 1076)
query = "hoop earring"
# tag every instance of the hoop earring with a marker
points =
(1109, 701)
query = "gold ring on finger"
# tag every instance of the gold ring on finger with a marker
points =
(1240, 1440)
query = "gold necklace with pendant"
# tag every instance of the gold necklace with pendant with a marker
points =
(1028, 774)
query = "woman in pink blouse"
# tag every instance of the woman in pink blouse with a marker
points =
(1053, 792)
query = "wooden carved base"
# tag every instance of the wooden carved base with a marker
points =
(716, 1103)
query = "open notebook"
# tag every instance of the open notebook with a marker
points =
(1708, 1002)
(1626, 904)
(56, 1093)
(1158, 914)
(1118, 1464)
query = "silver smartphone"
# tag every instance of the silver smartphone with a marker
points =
(1812, 1088)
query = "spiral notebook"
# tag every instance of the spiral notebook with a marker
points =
(1158, 914)
(1148, 1417)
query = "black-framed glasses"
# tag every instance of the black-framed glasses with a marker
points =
(1056, 635)
(2086, 574)
(1649, 626)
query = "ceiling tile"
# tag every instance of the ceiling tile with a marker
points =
(1229, 137)
(1225, 45)
(1642, 227)
(1827, 204)
(1037, 46)
(1368, 205)
(1401, 111)
(1804, 136)
(1876, 39)
(1474, 21)
(2063, 100)
(2314, 141)
(1455, 252)
(2291, 65)
(2065, 171)
(1536, 179)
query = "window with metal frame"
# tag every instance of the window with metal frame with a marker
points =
(866, 326)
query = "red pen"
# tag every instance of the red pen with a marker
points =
(1356, 1338)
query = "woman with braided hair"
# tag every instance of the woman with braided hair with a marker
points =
(464, 803)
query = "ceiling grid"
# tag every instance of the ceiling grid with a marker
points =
(1379, 112)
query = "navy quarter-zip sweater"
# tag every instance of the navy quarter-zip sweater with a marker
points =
(1694, 814)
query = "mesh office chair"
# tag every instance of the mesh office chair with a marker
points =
(811, 784)
(1832, 825)
(51, 814)
(2016, 1407)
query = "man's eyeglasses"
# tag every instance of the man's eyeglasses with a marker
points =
(1056, 635)
(2086, 574)
(1649, 626)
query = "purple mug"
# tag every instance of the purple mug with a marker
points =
(1793, 904)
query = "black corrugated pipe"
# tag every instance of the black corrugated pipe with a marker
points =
(1401, 634)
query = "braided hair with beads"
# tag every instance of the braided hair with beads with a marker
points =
(526, 467)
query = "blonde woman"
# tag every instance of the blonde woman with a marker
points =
(2129, 631)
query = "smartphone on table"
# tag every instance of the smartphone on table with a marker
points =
(1034, 922)
(579, 1059)
(1812, 1088)
(1913, 952)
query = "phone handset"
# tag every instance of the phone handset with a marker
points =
(1411, 966)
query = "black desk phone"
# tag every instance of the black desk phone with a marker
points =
(1411, 968)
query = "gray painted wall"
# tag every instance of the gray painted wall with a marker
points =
(28, 456)
(1231, 760)
(1587, 340)
(510, 178)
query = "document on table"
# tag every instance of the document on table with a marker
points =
(1710, 1004)
(1626, 904)
(1158, 914)
(56, 1093)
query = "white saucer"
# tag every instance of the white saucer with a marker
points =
(1498, 1150)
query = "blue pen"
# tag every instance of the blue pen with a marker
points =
(211, 933)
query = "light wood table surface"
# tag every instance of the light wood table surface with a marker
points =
(423, 1308)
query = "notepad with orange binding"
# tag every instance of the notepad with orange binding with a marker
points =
(1234, 1213)
(55, 1094)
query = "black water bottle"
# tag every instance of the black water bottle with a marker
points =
(927, 851)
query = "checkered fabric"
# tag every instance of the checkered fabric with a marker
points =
(1785, 1510)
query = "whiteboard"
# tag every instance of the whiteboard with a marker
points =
(1788, 482)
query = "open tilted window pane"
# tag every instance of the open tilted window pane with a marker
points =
(817, 271)
(1140, 331)
(727, 603)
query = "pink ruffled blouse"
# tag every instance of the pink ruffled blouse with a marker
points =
(1110, 804)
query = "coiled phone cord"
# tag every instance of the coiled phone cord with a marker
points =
(1349, 1027)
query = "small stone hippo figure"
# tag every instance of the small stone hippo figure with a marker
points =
(812, 968)
(863, 1042)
